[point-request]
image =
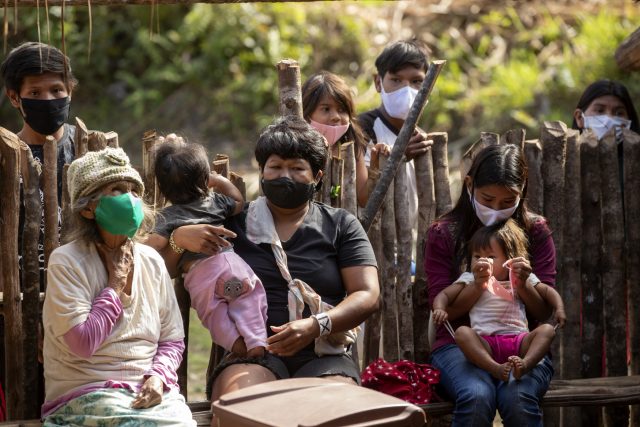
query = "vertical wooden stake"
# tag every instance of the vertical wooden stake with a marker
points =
(404, 238)
(9, 212)
(533, 155)
(348, 195)
(289, 87)
(50, 190)
(81, 139)
(441, 172)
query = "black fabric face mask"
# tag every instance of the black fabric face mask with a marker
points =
(45, 116)
(286, 193)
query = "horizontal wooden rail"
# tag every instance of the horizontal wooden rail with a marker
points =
(33, 3)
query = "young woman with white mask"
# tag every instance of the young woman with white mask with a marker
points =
(605, 104)
(493, 190)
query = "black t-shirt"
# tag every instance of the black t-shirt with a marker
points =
(213, 210)
(328, 240)
(368, 118)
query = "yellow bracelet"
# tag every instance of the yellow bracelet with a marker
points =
(177, 249)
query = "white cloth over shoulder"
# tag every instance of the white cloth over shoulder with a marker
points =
(261, 229)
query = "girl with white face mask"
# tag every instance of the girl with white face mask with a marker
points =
(603, 106)
(494, 191)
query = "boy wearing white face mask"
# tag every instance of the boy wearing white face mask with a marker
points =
(401, 69)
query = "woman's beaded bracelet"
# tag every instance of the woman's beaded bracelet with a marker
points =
(177, 249)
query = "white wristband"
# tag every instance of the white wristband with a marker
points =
(324, 321)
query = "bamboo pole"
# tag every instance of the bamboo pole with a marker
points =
(81, 138)
(50, 190)
(397, 152)
(404, 239)
(631, 159)
(9, 212)
(592, 307)
(426, 215)
(613, 278)
(348, 195)
(289, 88)
(535, 187)
(569, 338)
(30, 170)
(389, 271)
(441, 172)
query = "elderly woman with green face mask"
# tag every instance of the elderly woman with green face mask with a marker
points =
(113, 333)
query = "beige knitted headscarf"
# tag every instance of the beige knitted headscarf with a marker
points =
(99, 168)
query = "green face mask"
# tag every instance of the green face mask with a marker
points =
(120, 215)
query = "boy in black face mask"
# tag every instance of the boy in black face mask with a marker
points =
(38, 82)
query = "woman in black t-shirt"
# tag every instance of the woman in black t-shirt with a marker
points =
(324, 247)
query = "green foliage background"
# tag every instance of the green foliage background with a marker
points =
(207, 70)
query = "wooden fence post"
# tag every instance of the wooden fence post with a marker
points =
(50, 189)
(404, 238)
(9, 212)
(81, 139)
(533, 156)
(426, 214)
(631, 156)
(152, 192)
(112, 139)
(289, 88)
(96, 141)
(371, 345)
(569, 337)
(389, 272)
(441, 172)
(31, 278)
(515, 137)
(592, 307)
(613, 279)
(348, 196)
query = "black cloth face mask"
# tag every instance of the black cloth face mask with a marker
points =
(286, 193)
(45, 116)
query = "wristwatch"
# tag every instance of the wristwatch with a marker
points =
(324, 321)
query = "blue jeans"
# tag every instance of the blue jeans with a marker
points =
(477, 394)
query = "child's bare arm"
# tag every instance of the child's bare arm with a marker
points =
(442, 301)
(553, 298)
(222, 185)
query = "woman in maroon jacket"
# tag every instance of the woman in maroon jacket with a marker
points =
(493, 190)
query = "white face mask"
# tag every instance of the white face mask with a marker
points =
(399, 102)
(490, 216)
(601, 124)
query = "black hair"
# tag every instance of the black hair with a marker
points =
(291, 137)
(500, 164)
(32, 59)
(403, 53)
(511, 238)
(608, 87)
(325, 83)
(182, 170)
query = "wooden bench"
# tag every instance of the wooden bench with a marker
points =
(612, 391)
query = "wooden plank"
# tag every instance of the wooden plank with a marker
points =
(9, 212)
(628, 53)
